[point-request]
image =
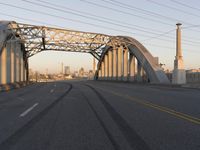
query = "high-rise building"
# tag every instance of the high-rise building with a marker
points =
(67, 70)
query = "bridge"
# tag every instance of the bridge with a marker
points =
(93, 115)
(116, 55)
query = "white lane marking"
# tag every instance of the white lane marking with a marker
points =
(20, 98)
(28, 110)
(52, 90)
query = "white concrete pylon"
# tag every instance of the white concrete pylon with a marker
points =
(139, 72)
(3, 65)
(17, 63)
(110, 64)
(8, 62)
(13, 67)
(103, 69)
(132, 67)
(114, 75)
(125, 63)
(179, 74)
(106, 66)
(119, 63)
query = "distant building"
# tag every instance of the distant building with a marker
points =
(67, 70)
(81, 72)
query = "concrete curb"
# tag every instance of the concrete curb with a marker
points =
(11, 86)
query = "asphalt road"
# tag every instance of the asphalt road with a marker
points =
(89, 115)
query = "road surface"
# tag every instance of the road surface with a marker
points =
(96, 115)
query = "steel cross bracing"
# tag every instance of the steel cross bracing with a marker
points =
(40, 38)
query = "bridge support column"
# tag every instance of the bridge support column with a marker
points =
(17, 63)
(0, 68)
(106, 66)
(102, 70)
(131, 67)
(114, 75)
(125, 63)
(139, 72)
(3, 65)
(21, 66)
(13, 66)
(110, 63)
(99, 74)
(119, 63)
(8, 62)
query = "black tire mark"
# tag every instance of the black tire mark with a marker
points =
(134, 140)
(15, 137)
(114, 143)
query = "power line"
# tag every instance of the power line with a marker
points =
(111, 19)
(185, 5)
(127, 13)
(81, 14)
(68, 19)
(157, 35)
(55, 16)
(119, 11)
(172, 8)
(175, 9)
(131, 7)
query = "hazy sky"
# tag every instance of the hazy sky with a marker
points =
(152, 22)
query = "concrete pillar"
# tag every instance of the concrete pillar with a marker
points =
(103, 70)
(106, 66)
(114, 75)
(94, 65)
(139, 72)
(179, 74)
(125, 63)
(99, 74)
(8, 62)
(22, 66)
(17, 63)
(132, 67)
(13, 65)
(0, 68)
(3, 66)
(119, 63)
(110, 63)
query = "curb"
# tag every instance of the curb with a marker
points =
(11, 86)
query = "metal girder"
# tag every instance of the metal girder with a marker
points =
(40, 38)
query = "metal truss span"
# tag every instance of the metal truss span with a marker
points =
(41, 38)
(35, 39)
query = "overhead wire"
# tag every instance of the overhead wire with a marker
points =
(48, 15)
(52, 4)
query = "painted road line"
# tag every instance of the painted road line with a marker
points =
(28, 110)
(52, 90)
(20, 98)
(177, 114)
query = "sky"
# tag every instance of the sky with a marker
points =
(152, 22)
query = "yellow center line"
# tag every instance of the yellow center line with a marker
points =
(157, 107)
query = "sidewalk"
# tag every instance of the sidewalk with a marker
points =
(192, 85)
(8, 87)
